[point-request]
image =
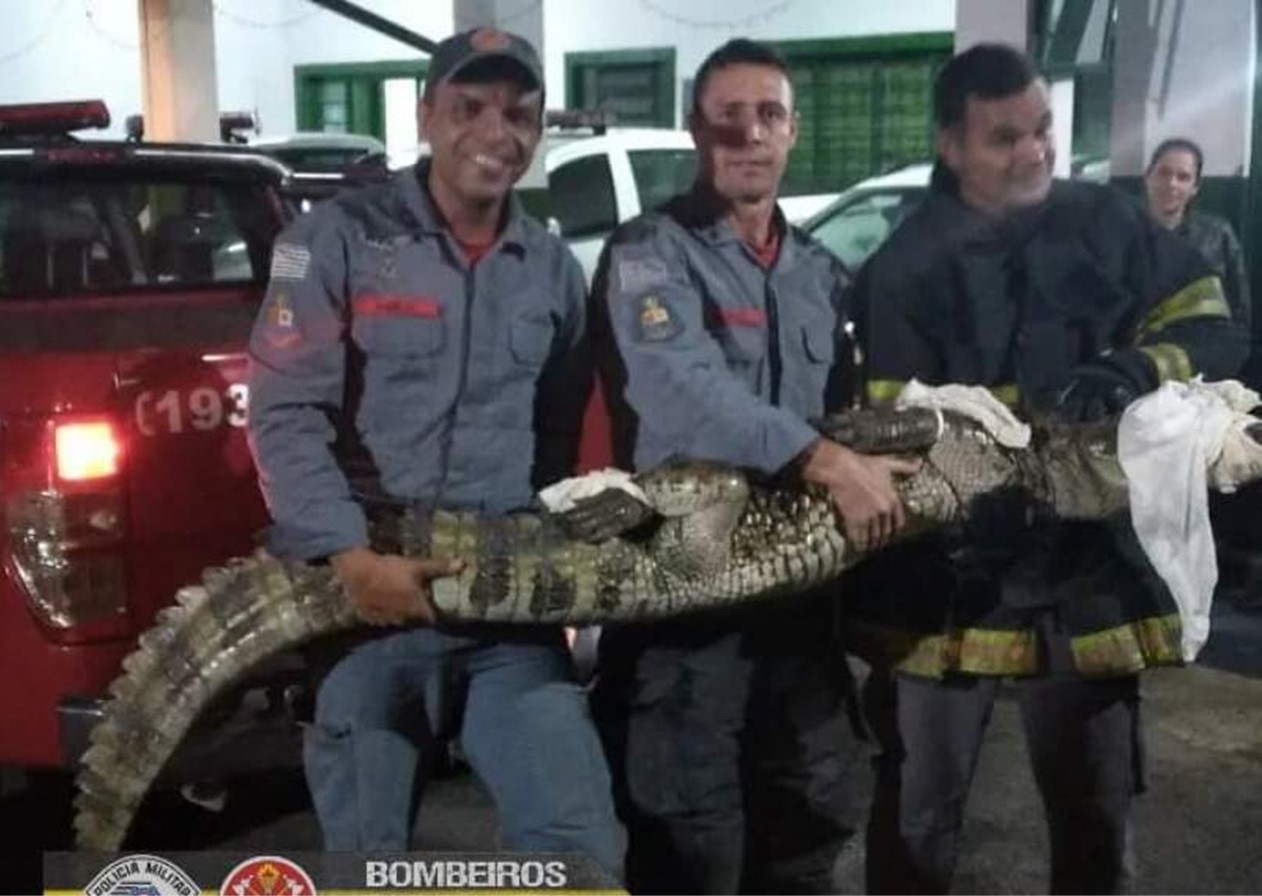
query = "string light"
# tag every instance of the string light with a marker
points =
(38, 38)
(766, 14)
(121, 44)
(255, 23)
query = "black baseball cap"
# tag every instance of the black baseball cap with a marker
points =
(457, 52)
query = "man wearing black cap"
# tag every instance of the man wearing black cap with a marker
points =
(421, 346)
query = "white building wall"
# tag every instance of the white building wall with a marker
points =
(696, 28)
(259, 42)
(72, 49)
(1197, 81)
(1182, 71)
(86, 49)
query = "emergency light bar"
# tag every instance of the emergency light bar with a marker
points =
(231, 124)
(596, 119)
(44, 119)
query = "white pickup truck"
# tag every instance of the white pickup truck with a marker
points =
(596, 183)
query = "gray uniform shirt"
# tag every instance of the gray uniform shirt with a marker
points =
(710, 355)
(384, 366)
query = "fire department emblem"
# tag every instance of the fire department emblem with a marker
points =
(280, 330)
(656, 322)
(267, 876)
(281, 313)
(488, 40)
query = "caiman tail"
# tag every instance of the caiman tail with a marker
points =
(240, 615)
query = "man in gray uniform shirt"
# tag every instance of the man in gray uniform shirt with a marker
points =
(722, 332)
(422, 345)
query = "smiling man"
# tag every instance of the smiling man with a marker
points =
(422, 346)
(723, 332)
(1068, 302)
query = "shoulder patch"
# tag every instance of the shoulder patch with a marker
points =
(657, 324)
(278, 319)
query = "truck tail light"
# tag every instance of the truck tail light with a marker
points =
(86, 450)
(67, 532)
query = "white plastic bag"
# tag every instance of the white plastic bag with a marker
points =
(1165, 443)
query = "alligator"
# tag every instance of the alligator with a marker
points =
(698, 537)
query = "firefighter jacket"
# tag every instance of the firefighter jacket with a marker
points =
(1217, 243)
(1017, 305)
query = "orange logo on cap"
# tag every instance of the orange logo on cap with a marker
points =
(489, 40)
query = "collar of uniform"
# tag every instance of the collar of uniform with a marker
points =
(965, 226)
(429, 220)
(700, 211)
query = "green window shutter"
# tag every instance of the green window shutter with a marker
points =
(905, 116)
(638, 86)
(365, 107)
(348, 97)
(864, 106)
(801, 171)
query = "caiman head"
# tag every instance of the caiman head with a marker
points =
(1240, 460)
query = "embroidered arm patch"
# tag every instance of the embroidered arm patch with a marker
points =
(656, 322)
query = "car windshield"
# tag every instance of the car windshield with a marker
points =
(70, 232)
(856, 226)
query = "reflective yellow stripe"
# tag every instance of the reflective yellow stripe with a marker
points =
(884, 391)
(1128, 648)
(1008, 393)
(1171, 360)
(996, 652)
(974, 650)
(1200, 298)
(1152, 641)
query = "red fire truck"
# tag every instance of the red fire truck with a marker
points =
(129, 279)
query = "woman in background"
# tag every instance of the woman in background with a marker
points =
(1171, 183)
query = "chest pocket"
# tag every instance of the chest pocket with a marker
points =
(740, 332)
(742, 346)
(820, 346)
(530, 341)
(400, 336)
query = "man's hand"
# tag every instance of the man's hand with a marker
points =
(1105, 386)
(388, 589)
(862, 488)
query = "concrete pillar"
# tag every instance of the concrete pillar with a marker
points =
(509, 15)
(981, 21)
(178, 61)
(1183, 69)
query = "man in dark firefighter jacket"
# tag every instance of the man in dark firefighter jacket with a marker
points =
(1065, 300)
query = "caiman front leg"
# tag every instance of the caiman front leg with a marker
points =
(712, 492)
(701, 503)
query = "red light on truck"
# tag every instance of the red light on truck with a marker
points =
(52, 118)
(87, 450)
